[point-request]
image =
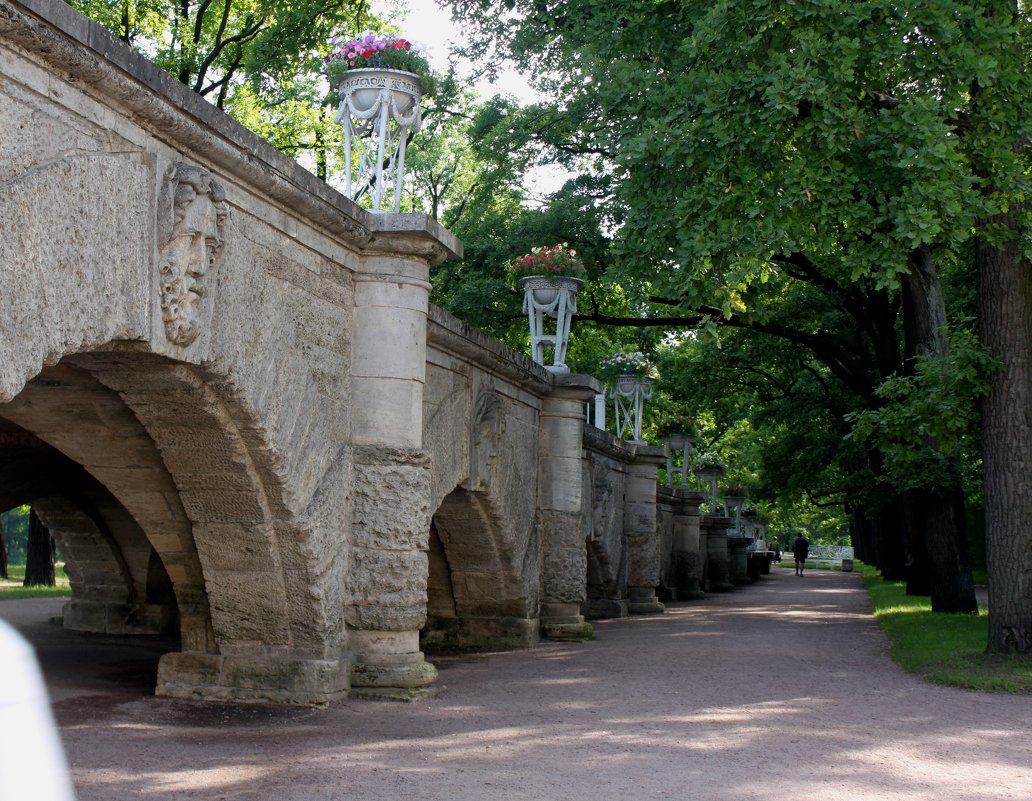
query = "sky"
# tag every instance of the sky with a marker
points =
(426, 23)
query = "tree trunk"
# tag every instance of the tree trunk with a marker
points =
(915, 544)
(3, 551)
(938, 536)
(889, 529)
(861, 535)
(949, 558)
(1005, 318)
(39, 554)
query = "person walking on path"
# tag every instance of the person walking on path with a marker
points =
(800, 550)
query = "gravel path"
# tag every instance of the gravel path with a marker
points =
(780, 690)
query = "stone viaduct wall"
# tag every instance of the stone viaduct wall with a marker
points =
(223, 388)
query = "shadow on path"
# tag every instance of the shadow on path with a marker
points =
(779, 690)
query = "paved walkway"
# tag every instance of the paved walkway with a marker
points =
(781, 690)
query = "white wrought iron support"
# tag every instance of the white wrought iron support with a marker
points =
(556, 299)
(678, 445)
(378, 109)
(708, 483)
(734, 503)
(629, 394)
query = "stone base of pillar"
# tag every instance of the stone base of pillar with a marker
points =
(604, 608)
(389, 665)
(643, 601)
(251, 679)
(718, 556)
(690, 590)
(565, 622)
(475, 632)
(665, 593)
(104, 617)
(687, 569)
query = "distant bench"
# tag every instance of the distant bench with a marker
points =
(831, 555)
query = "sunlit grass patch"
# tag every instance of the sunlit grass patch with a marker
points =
(944, 648)
(11, 588)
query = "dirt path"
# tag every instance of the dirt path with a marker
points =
(781, 690)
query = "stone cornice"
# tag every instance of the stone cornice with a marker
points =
(448, 333)
(91, 59)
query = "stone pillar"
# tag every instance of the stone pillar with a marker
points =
(688, 545)
(561, 523)
(642, 532)
(718, 556)
(390, 514)
(739, 556)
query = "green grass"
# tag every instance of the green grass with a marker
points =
(11, 588)
(943, 648)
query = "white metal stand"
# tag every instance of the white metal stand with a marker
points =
(378, 109)
(708, 481)
(629, 394)
(555, 298)
(679, 448)
(734, 503)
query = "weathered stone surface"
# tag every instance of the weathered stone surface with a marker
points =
(224, 384)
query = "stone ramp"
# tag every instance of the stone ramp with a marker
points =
(780, 690)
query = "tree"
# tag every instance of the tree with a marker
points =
(260, 60)
(997, 137)
(745, 136)
(39, 555)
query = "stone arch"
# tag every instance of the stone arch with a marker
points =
(476, 590)
(192, 468)
(118, 585)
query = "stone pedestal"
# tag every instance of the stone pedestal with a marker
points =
(644, 573)
(643, 601)
(389, 665)
(718, 554)
(560, 509)
(739, 559)
(250, 678)
(603, 608)
(390, 525)
(688, 546)
(565, 622)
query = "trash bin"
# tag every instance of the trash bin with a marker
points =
(847, 565)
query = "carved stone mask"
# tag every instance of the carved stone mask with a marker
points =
(191, 250)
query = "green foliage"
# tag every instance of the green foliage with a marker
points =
(944, 648)
(927, 417)
(774, 168)
(772, 129)
(371, 51)
(260, 60)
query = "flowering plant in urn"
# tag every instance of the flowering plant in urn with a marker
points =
(371, 51)
(550, 261)
(635, 364)
(708, 462)
(677, 424)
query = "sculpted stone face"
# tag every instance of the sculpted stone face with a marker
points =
(191, 252)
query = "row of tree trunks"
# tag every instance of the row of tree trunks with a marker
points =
(937, 549)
